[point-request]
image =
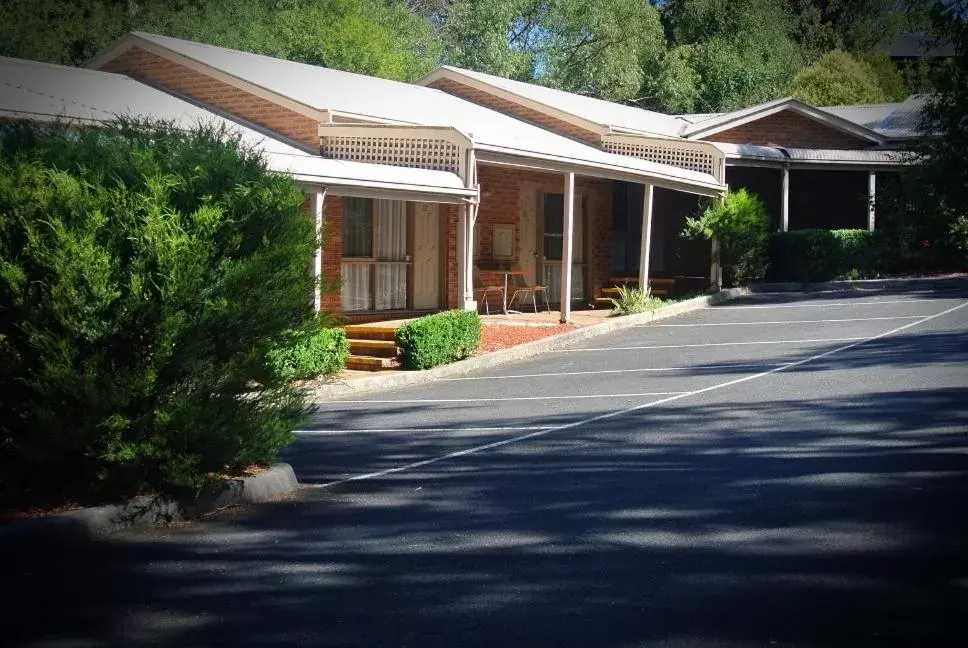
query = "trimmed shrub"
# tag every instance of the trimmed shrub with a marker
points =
(631, 300)
(310, 354)
(145, 273)
(439, 339)
(822, 255)
(742, 226)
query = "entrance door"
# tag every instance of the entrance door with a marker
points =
(426, 256)
(552, 250)
(528, 230)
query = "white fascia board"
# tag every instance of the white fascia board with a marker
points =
(133, 40)
(502, 157)
(545, 109)
(386, 191)
(729, 120)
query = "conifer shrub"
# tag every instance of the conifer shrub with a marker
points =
(145, 274)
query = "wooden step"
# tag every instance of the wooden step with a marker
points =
(375, 348)
(370, 332)
(369, 363)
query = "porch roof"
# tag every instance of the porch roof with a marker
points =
(324, 93)
(803, 157)
(47, 92)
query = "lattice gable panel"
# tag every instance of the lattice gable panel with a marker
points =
(417, 152)
(683, 158)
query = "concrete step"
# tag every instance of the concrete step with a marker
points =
(369, 363)
(370, 332)
(375, 348)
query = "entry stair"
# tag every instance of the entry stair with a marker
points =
(658, 287)
(373, 347)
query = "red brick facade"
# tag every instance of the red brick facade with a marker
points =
(789, 129)
(159, 71)
(523, 113)
(500, 205)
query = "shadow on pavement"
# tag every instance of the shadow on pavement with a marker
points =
(789, 523)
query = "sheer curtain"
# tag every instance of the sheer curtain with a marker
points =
(357, 244)
(391, 252)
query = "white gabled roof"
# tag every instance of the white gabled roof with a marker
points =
(895, 120)
(724, 121)
(594, 112)
(318, 90)
(46, 92)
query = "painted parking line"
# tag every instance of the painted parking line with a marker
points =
(620, 371)
(510, 428)
(825, 304)
(471, 401)
(818, 321)
(705, 344)
(628, 410)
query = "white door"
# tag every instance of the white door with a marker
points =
(426, 256)
(528, 240)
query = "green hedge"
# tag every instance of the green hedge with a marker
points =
(822, 255)
(145, 273)
(310, 354)
(439, 339)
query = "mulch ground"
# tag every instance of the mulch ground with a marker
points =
(495, 337)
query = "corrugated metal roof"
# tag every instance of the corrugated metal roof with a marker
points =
(750, 151)
(895, 120)
(598, 111)
(380, 99)
(46, 92)
(845, 156)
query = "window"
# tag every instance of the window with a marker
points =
(358, 228)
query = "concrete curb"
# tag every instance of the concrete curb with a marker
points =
(407, 378)
(147, 510)
(922, 283)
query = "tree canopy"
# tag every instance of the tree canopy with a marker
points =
(672, 55)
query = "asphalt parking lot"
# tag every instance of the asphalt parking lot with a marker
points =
(782, 470)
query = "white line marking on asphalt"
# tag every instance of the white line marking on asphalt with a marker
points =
(617, 371)
(825, 304)
(524, 428)
(628, 410)
(820, 321)
(707, 344)
(470, 401)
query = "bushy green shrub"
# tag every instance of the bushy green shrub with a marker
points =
(958, 236)
(822, 255)
(145, 273)
(631, 300)
(742, 226)
(310, 354)
(439, 339)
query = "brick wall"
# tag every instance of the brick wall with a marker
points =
(516, 110)
(332, 253)
(159, 71)
(789, 129)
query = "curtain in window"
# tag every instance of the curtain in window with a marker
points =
(355, 289)
(391, 247)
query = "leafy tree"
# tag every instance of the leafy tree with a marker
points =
(742, 51)
(385, 39)
(836, 79)
(937, 186)
(889, 77)
(850, 25)
(593, 48)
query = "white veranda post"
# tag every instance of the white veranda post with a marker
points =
(646, 238)
(871, 199)
(785, 201)
(318, 198)
(568, 227)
